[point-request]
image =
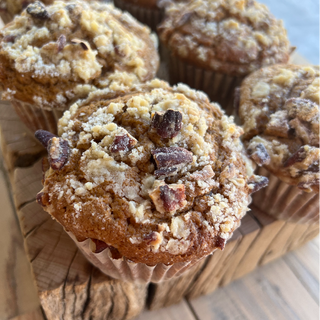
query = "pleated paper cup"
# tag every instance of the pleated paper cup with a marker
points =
(286, 202)
(150, 17)
(129, 271)
(6, 17)
(219, 87)
(36, 118)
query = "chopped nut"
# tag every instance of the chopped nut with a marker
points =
(302, 108)
(313, 168)
(39, 198)
(58, 153)
(205, 174)
(171, 159)
(10, 38)
(278, 125)
(169, 198)
(84, 44)
(221, 243)
(98, 246)
(62, 40)
(173, 198)
(259, 154)
(153, 239)
(258, 183)
(37, 10)
(168, 125)
(44, 137)
(123, 143)
(298, 156)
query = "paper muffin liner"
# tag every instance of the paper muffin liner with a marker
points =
(219, 87)
(150, 17)
(127, 270)
(6, 17)
(36, 118)
(286, 202)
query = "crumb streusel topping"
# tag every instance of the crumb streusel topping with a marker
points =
(279, 108)
(159, 174)
(234, 37)
(52, 55)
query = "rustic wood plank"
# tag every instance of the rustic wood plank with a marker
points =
(305, 266)
(270, 292)
(175, 312)
(208, 279)
(279, 245)
(172, 291)
(19, 147)
(269, 229)
(34, 315)
(249, 229)
(18, 294)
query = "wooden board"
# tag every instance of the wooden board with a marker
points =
(70, 288)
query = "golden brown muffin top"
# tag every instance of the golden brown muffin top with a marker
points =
(279, 109)
(159, 174)
(52, 55)
(16, 6)
(234, 37)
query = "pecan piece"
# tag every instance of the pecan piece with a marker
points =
(314, 168)
(278, 125)
(169, 160)
(168, 124)
(44, 137)
(61, 42)
(303, 109)
(259, 154)
(97, 246)
(258, 183)
(298, 156)
(173, 198)
(153, 239)
(39, 198)
(38, 10)
(123, 143)
(58, 153)
(84, 44)
(221, 243)
(169, 198)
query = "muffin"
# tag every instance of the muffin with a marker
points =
(213, 45)
(279, 108)
(52, 56)
(150, 182)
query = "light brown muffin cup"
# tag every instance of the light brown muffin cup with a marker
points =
(129, 271)
(149, 16)
(36, 118)
(286, 202)
(219, 87)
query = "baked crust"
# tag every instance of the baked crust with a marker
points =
(59, 55)
(16, 6)
(279, 109)
(157, 193)
(233, 37)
